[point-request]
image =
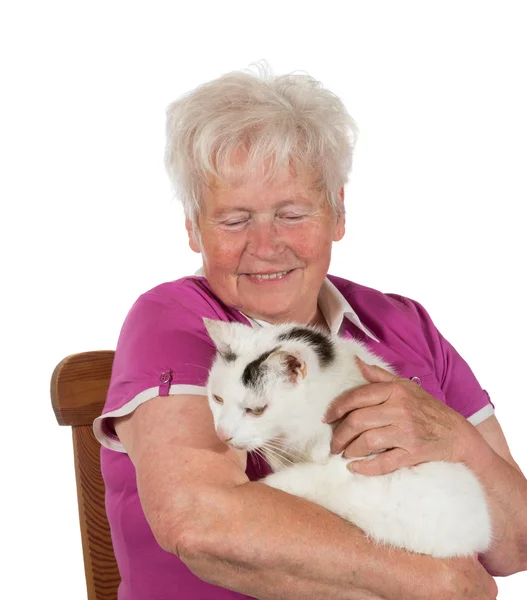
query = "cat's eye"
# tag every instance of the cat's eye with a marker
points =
(218, 399)
(256, 411)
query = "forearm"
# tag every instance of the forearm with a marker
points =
(506, 490)
(271, 545)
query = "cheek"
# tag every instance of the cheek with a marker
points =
(311, 241)
(220, 250)
(243, 430)
(253, 429)
(216, 411)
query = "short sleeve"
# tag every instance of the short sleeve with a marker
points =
(462, 390)
(463, 393)
(163, 349)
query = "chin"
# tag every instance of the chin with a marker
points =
(277, 315)
(246, 447)
(239, 446)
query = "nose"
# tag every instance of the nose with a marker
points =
(223, 435)
(264, 240)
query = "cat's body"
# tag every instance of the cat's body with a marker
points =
(293, 373)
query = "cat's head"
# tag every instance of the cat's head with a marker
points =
(258, 383)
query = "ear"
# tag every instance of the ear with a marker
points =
(219, 332)
(292, 365)
(340, 223)
(223, 334)
(193, 238)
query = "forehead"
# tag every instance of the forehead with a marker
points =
(228, 384)
(256, 189)
(245, 375)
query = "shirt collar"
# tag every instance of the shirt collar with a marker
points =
(333, 305)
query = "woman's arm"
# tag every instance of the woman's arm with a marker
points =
(506, 489)
(396, 415)
(260, 541)
(282, 547)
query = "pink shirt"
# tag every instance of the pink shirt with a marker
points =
(164, 349)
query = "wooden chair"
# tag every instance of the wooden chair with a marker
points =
(78, 390)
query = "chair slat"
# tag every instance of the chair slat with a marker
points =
(100, 566)
(79, 385)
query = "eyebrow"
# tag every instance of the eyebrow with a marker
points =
(220, 212)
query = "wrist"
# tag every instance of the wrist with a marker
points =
(475, 452)
(389, 572)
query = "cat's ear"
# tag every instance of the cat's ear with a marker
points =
(221, 333)
(292, 365)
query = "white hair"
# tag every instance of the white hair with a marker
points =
(286, 120)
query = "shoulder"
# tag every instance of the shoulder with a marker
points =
(166, 322)
(367, 298)
(390, 317)
(186, 291)
(163, 344)
(186, 299)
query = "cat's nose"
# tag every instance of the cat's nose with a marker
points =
(224, 437)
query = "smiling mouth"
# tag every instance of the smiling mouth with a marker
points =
(277, 275)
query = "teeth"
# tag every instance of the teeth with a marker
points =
(271, 275)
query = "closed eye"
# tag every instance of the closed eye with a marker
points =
(218, 399)
(292, 217)
(234, 225)
(256, 411)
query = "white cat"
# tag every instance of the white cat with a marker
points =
(268, 390)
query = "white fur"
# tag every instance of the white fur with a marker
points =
(434, 508)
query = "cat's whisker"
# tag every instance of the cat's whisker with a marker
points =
(258, 455)
(291, 450)
(274, 452)
(291, 459)
(282, 442)
(284, 449)
(270, 453)
(256, 452)
(284, 445)
(187, 364)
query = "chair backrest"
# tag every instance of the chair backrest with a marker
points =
(78, 390)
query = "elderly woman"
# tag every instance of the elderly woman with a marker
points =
(260, 163)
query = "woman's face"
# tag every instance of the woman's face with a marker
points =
(283, 228)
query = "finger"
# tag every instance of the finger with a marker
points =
(359, 421)
(374, 373)
(382, 464)
(374, 440)
(365, 395)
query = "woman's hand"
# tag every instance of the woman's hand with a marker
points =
(462, 578)
(396, 417)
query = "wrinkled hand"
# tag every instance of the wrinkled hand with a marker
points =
(463, 579)
(395, 415)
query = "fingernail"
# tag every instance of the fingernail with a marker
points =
(350, 466)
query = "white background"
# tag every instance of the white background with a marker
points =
(435, 204)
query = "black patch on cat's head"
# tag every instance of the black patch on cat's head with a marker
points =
(254, 371)
(228, 356)
(320, 343)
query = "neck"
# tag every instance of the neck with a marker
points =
(319, 320)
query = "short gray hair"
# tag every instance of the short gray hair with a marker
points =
(287, 119)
